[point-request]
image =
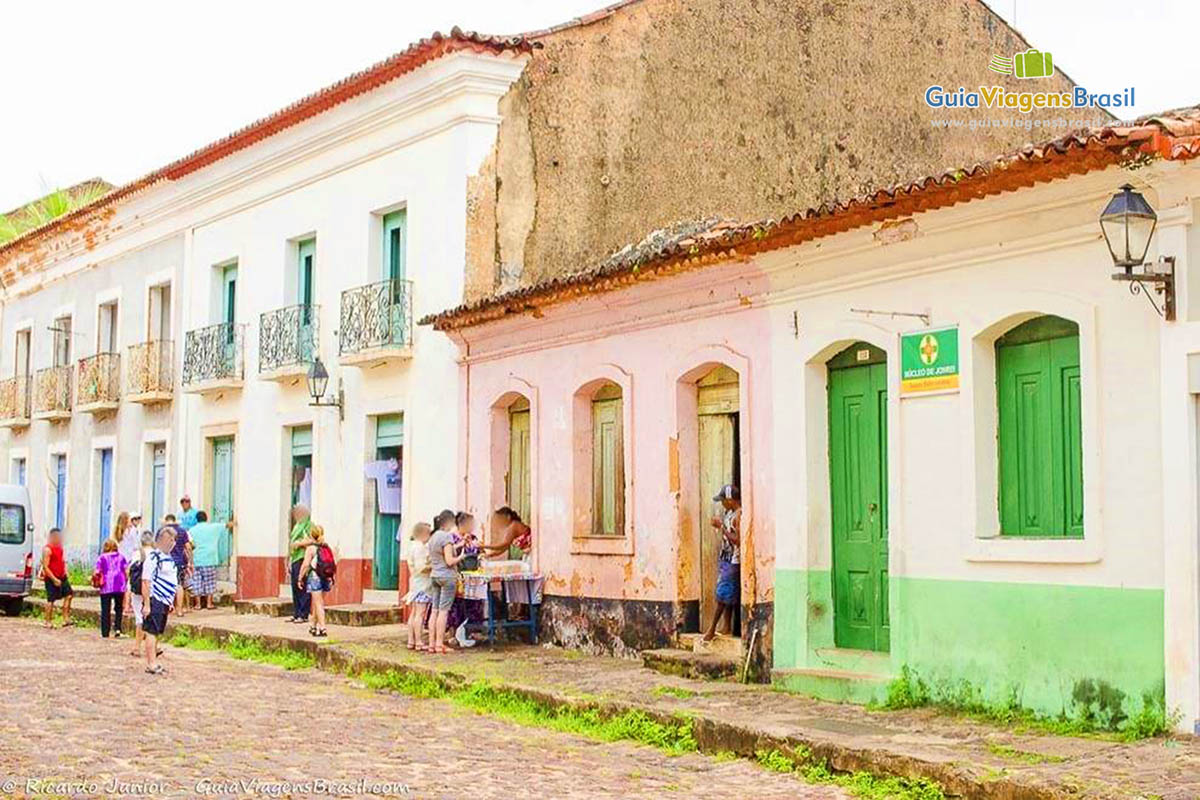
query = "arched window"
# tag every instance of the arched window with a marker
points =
(1040, 431)
(608, 462)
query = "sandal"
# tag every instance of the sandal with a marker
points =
(312, 631)
(321, 632)
(156, 670)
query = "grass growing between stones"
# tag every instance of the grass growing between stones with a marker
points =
(636, 726)
(485, 698)
(244, 648)
(674, 691)
(1005, 751)
(1097, 711)
(860, 784)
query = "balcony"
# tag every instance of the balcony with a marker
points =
(52, 394)
(287, 343)
(376, 324)
(14, 402)
(98, 383)
(212, 359)
(149, 371)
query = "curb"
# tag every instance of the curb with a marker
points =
(712, 735)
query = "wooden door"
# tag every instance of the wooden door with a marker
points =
(106, 490)
(221, 509)
(158, 485)
(385, 566)
(858, 487)
(718, 456)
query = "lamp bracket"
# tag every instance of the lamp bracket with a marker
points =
(339, 402)
(1161, 275)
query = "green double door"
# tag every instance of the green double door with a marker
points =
(858, 488)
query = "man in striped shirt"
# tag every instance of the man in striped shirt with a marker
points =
(160, 581)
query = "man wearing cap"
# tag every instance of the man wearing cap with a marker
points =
(187, 514)
(729, 576)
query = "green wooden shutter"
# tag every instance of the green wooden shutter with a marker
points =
(302, 441)
(518, 489)
(1040, 430)
(394, 245)
(229, 294)
(306, 253)
(389, 431)
(607, 468)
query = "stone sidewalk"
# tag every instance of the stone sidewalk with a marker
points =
(968, 758)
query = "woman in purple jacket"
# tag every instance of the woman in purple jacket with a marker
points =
(111, 567)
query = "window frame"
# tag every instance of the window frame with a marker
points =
(592, 385)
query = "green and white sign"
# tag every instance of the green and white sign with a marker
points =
(929, 361)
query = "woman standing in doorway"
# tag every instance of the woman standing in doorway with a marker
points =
(729, 575)
(298, 541)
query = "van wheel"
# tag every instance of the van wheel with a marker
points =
(13, 606)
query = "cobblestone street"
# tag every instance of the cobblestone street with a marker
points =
(78, 708)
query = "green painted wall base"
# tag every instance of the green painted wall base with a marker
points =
(1047, 647)
(840, 687)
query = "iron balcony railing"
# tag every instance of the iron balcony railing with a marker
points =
(213, 353)
(14, 398)
(149, 368)
(98, 379)
(52, 390)
(287, 337)
(376, 315)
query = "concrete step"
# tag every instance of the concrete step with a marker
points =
(690, 664)
(834, 684)
(266, 606)
(359, 615)
(721, 645)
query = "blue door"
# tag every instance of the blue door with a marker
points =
(60, 491)
(106, 478)
(158, 486)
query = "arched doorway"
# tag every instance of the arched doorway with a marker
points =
(858, 496)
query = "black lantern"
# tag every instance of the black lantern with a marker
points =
(318, 382)
(1128, 223)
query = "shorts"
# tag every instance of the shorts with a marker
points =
(441, 593)
(729, 582)
(135, 600)
(315, 583)
(155, 623)
(56, 593)
(204, 581)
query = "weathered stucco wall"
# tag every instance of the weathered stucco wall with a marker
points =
(678, 109)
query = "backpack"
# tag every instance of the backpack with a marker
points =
(135, 576)
(326, 566)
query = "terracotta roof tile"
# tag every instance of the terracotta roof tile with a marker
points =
(416, 55)
(1170, 135)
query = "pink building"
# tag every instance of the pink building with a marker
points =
(609, 422)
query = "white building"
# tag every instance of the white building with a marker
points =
(318, 231)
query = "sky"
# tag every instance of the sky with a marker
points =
(116, 90)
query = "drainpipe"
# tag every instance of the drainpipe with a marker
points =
(465, 360)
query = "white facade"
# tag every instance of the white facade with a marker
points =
(408, 145)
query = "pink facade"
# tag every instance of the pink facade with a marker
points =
(654, 341)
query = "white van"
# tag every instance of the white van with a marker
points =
(16, 548)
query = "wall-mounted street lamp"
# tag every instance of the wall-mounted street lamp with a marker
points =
(318, 381)
(1128, 223)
